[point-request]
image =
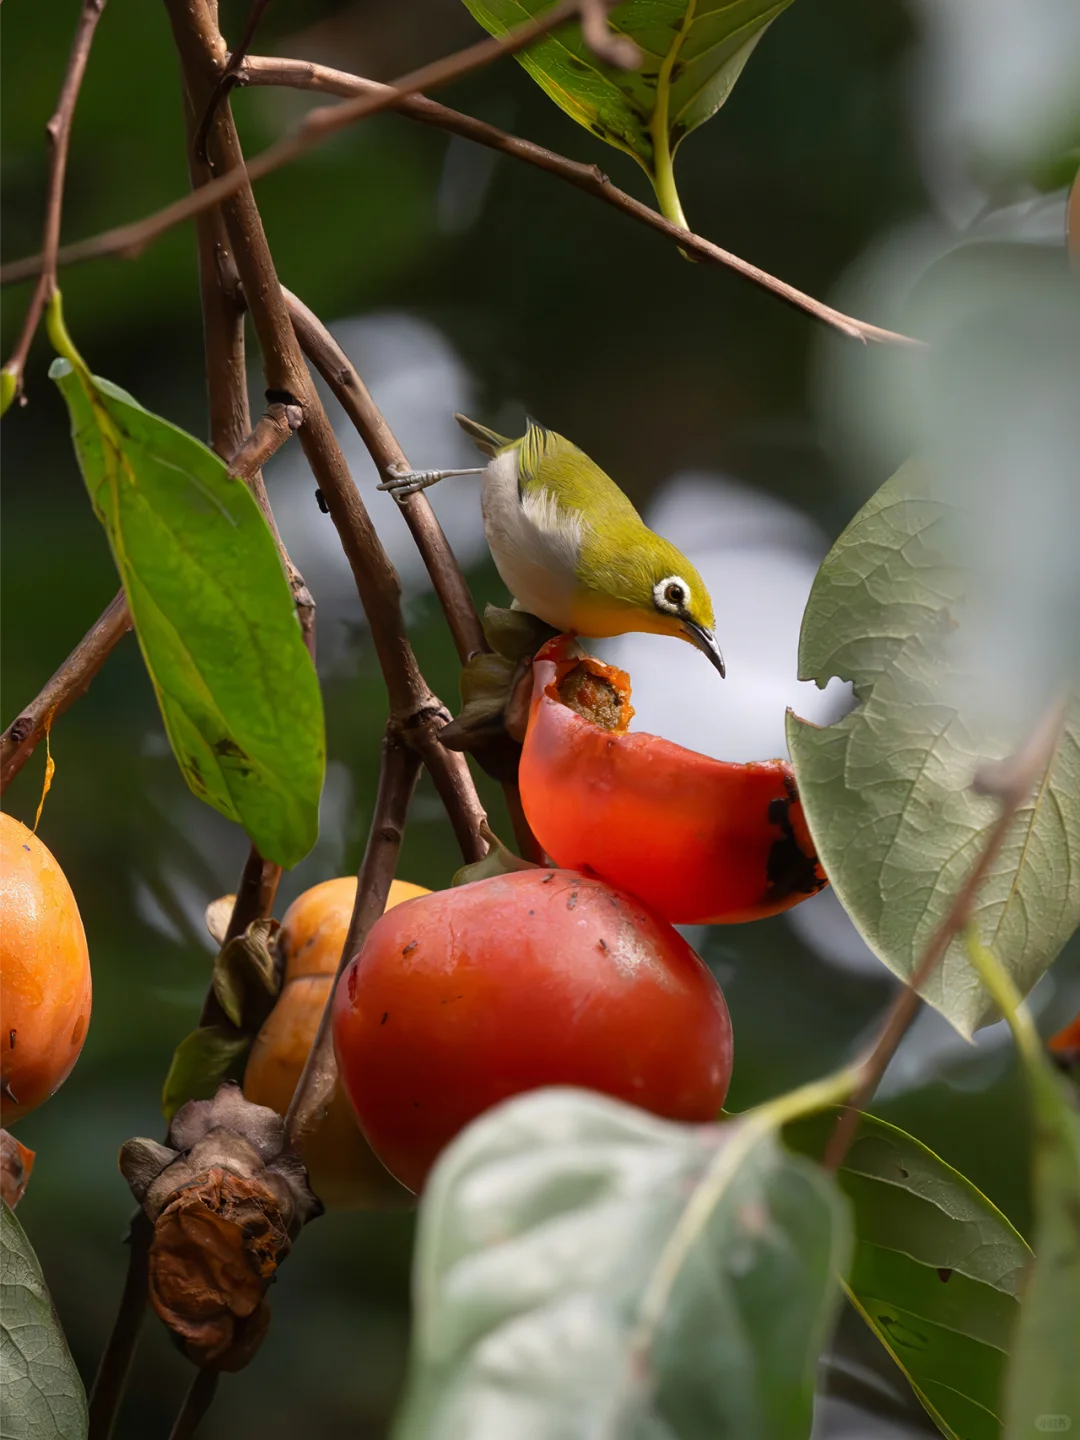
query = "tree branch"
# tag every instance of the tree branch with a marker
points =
(450, 776)
(197, 1402)
(339, 373)
(318, 126)
(398, 770)
(1012, 782)
(69, 682)
(368, 97)
(111, 1378)
(58, 131)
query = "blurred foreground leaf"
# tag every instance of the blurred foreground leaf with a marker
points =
(43, 1396)
(1043, 1391)
(693, 52)
(936, 1274)
(212, 610)
(886, 790)
(585, 1269)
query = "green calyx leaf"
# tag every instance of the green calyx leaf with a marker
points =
(693, 51)
(200, 1063)
(246, 977)
(212, 610)
(677, 1280)
(887, 789)
(937, 1271)
(43, 1395)
(499, 860)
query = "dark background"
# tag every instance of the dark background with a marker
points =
(533, 295)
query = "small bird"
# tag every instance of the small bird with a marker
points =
(571, 548)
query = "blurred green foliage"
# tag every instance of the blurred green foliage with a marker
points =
(552, 301)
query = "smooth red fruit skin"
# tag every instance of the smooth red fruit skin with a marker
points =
(701, 841)
(465, 997)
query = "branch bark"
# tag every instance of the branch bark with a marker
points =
(58, 131)
(115, 1365)
(73, 678)
(1012, 782)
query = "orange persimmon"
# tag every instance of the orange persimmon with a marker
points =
(700, 841)
(45, 989)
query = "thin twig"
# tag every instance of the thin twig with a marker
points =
(111, 1379)
(58, 131)
(306, 75)
(318, 126)
(69, 682)
(1012, 782)
(197, 1402)
(398, 771)
(617, 50)
(340, 374)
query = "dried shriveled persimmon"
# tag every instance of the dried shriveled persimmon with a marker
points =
(468, 996)
(701, 841)
(344, 1173)
(45, 989)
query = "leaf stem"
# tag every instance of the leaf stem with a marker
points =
(1007, 998)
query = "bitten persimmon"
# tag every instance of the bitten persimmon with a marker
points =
(701, 841)
(542, 977)
(45, 989)
(344, 1173)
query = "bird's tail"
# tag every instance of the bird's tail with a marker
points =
(483, 438)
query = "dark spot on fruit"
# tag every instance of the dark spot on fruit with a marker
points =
(78, 1030)
(11, 1038)
(572, 901)
(548, 878)
(351, 983)
(944, 1274)
(532, 912)
(27, 849)
(410, 947)
(602, 944)
(385, 1017)
(416, 1104)
(788, 870)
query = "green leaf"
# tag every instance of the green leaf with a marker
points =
(1043, 1390)
(886, 790)
(937, 1272)
(693, 53)
(200, 1063)
(213, 613)
(585, 1269)
(43, 1395)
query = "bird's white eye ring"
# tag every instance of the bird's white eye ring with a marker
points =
(672, 594)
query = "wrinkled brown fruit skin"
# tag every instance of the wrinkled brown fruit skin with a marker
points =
(215, 1247)
(344, 1172)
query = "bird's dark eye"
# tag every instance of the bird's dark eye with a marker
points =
(674, 594)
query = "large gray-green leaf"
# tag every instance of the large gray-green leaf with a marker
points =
(936, 1274)
(43, 1397)
(585, 1269)
(693, 53)
(887, 789)
(213, 613)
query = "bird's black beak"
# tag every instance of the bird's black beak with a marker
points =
(705, 641)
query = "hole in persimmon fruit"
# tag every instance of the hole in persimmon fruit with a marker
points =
(595, 698)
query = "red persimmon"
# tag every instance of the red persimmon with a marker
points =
(464, 997)
(701, 841)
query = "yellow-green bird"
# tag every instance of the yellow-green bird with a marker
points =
(570, 547)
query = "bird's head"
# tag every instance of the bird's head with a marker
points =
(678, 602)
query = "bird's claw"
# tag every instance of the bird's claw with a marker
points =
(402, 481)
